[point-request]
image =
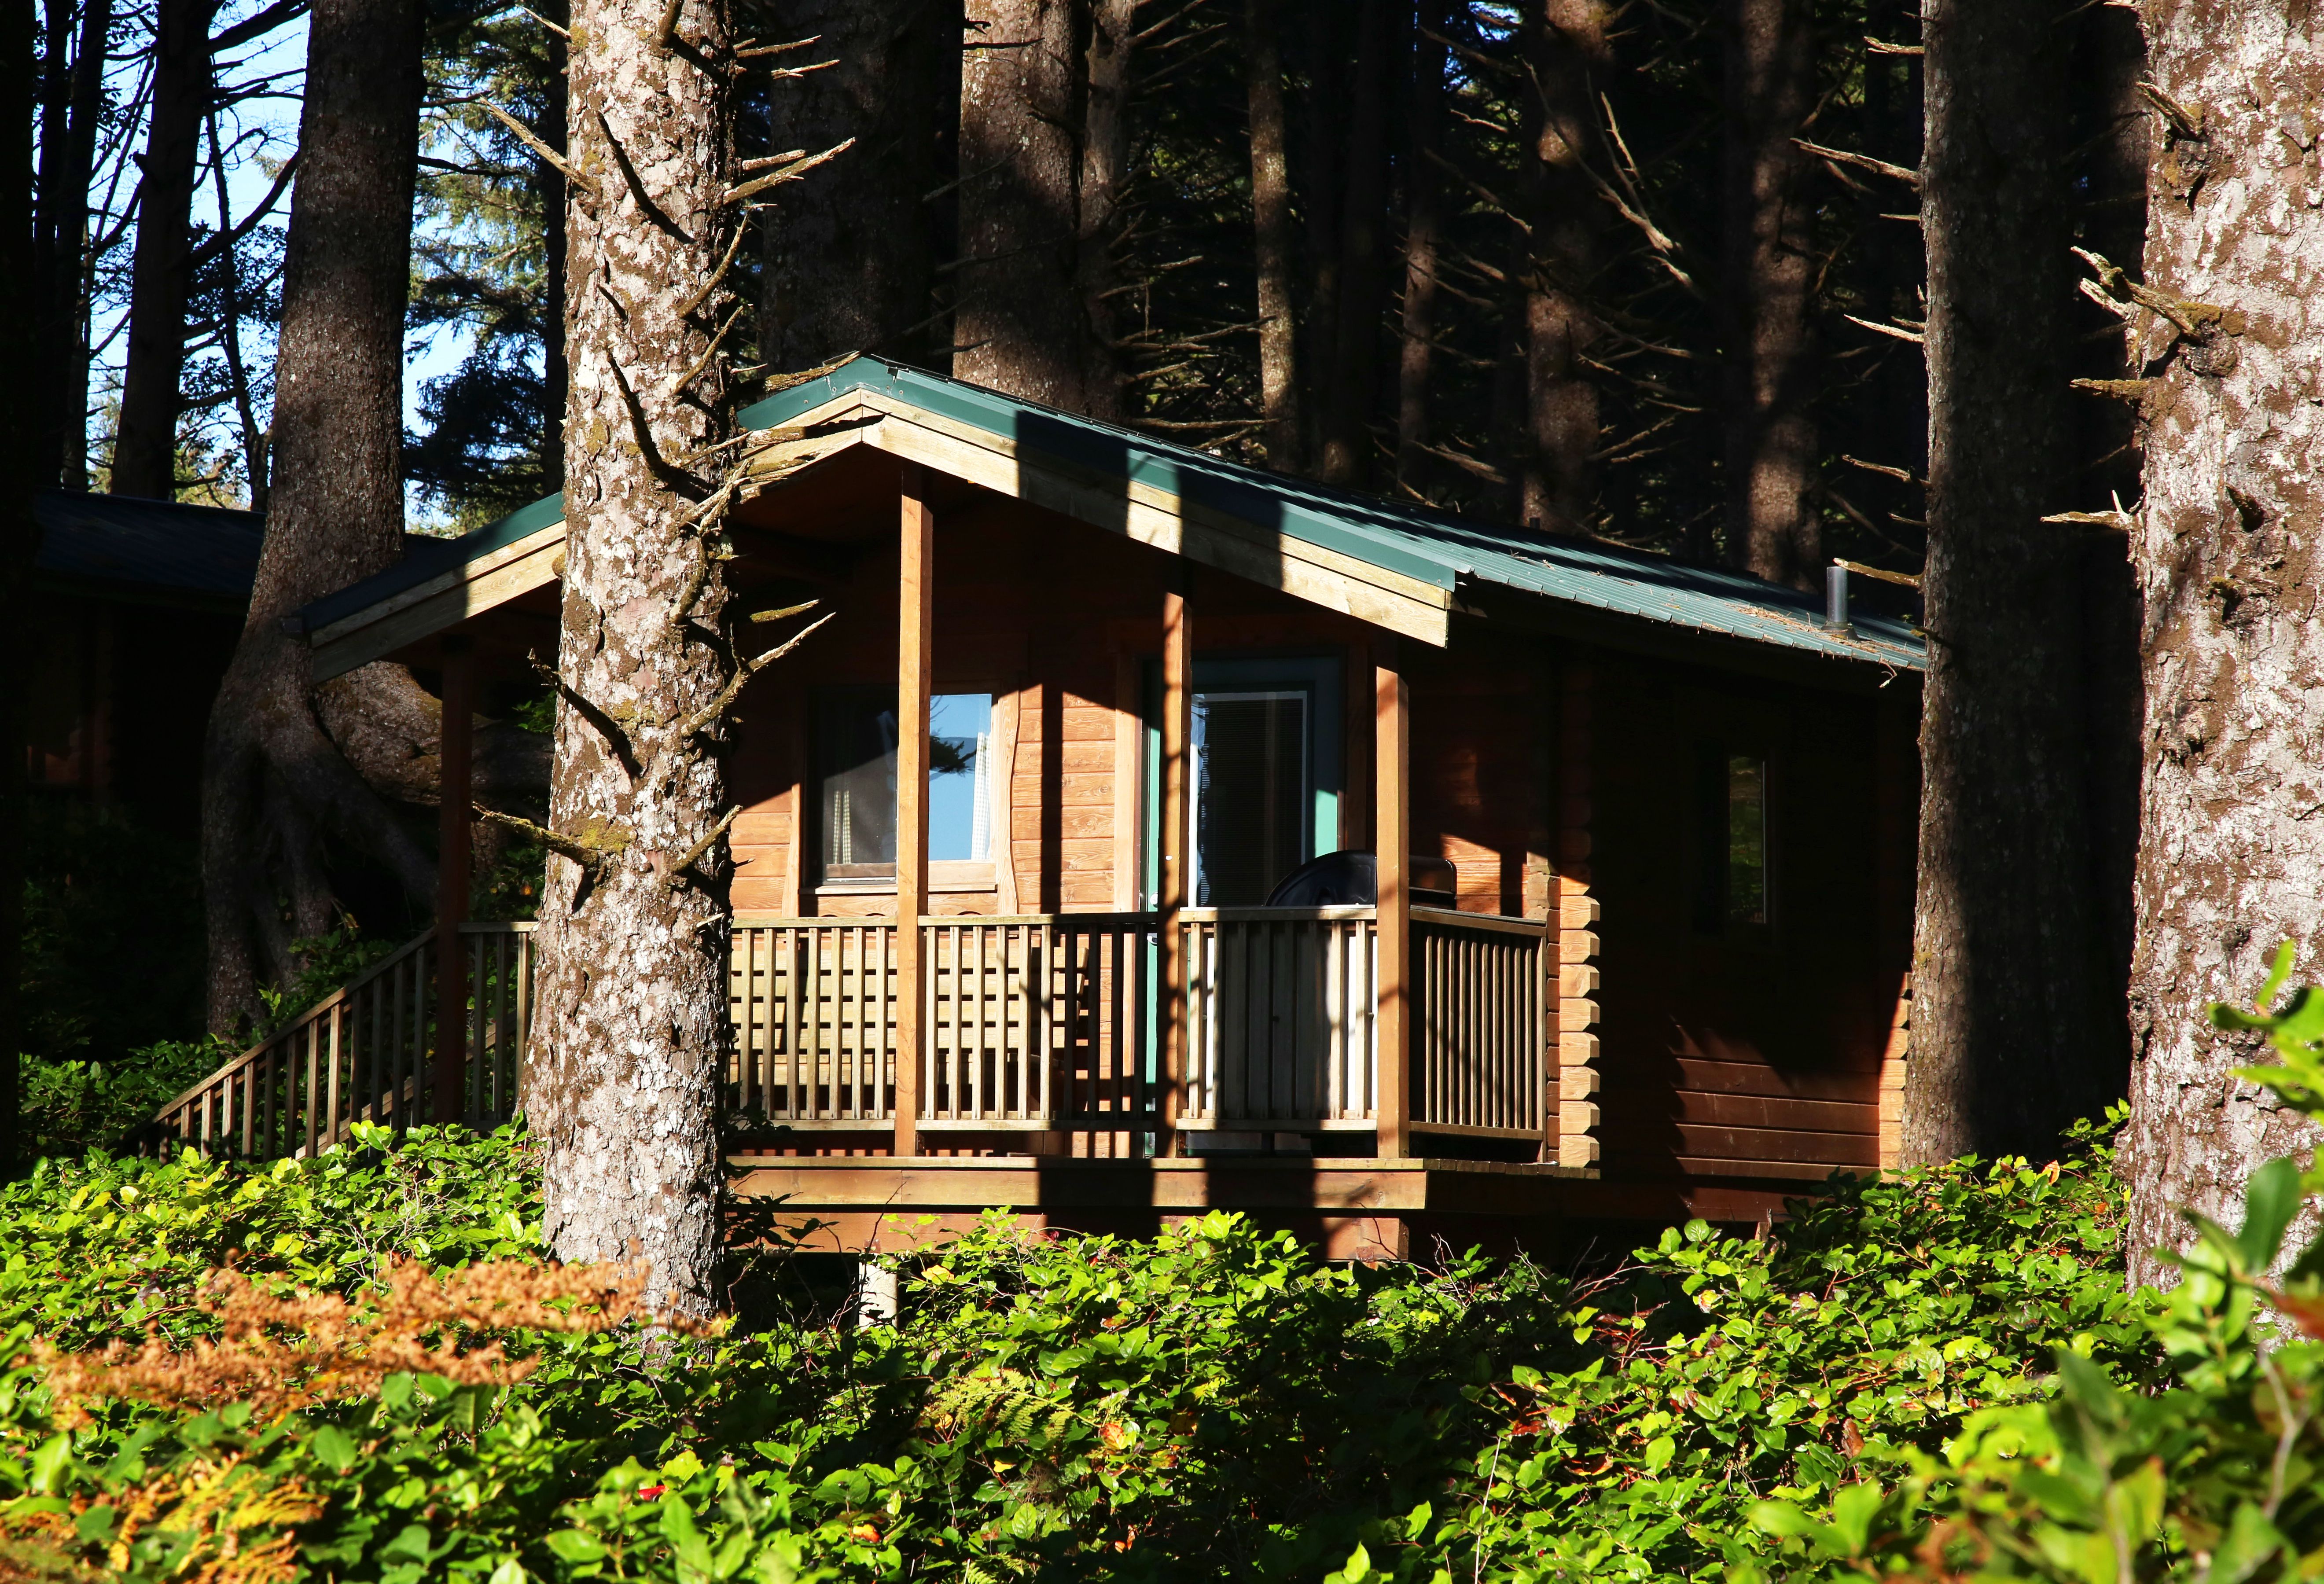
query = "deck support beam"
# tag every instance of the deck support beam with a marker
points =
(1177, 837)
(454, 757)
(915, 640)
(1392, 848)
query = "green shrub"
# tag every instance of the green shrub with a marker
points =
(1212, 1403)
(2215, 1472)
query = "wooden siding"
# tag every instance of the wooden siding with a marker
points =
(1729, 1050)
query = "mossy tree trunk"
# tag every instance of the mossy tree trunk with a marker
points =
(2228, 542)
(621, 1086)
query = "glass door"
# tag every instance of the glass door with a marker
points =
(1266, 776)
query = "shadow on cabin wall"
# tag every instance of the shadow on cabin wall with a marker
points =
(1756, 883)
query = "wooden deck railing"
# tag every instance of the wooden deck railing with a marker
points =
(1481, 1063)
(362, 1053)
(1036, 1023)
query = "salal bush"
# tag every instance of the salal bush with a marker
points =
(1212, 1402)
(2214, 1473)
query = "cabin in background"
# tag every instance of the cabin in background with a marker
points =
(1644, 832)
(137, 606)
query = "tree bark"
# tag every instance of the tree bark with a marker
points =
(23, 422)
(2010, 1039)
(1769, 273)
(850, 251)
(1347, 452)
(1270, 205)
(1020, 327)
(548, 183)
(2226, 544)
(622, 1085)
(1423, 189)
(1565, 47)
(1326, 73)
(72, 99)
(145, 445)
(273, 782)
(1104, 181)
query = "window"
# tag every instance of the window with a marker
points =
(856, 776)
(1747, 839)
(1250, 794)
(1733, 871)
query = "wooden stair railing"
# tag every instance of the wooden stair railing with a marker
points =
(362, 1053)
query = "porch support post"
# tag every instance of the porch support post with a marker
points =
(1178, 741)
(454, 757)
(1392, 845)
(915, 640)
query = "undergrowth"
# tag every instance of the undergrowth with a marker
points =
(1213, 1402)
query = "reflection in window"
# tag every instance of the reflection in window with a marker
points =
(1747, 839)
(1252, 793)
(960, 800)
(856, 775)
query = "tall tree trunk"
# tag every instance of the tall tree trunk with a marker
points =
(2009, 1024)
(1326, 71)
(1769, 271)
(2226, 545)
(548, 183)
(1424, 185)
(23, 422)
(1020, 326)
(621, 1086)
(850, 251)
(1565, 47)
(273, 782)
(231, 311)
(1270, 207)
(1346, 453)
(1104, 179)
(72, 98)
(145, 445)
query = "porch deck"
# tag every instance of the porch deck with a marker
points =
(1039, 1084)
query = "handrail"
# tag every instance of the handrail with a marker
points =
(283, 1035)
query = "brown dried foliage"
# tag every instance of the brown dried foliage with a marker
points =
(280, 1351)
(241, 1529)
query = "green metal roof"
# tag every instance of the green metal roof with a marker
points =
(1433, 547)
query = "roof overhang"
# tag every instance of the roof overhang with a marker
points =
(1406, 571)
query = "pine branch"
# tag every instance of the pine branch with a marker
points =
(603, 840)
(525, 135)
(615, 736)
(792, 171)
(707, 715)
(1910, 178)
(680, 871)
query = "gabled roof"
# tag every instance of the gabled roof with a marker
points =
(148, 550)
(1405, 568)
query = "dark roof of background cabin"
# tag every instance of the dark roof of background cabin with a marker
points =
(201, 554)
(1432, 546)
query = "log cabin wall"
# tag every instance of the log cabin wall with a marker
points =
(1056, 623)
(1735, 1049)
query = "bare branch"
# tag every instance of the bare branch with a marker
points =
(590, 850)
(1898, 331)
(792, 171)
(716, 275)
(1909, 176)
(679, 870)
(1909, 579)
(615, 736)
(707, 715)
(524, 134)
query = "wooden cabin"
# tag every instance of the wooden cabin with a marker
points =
(1634, 945)
(136, 607)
